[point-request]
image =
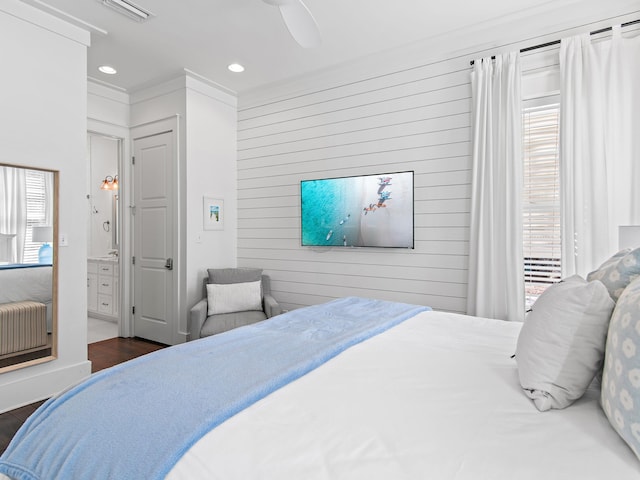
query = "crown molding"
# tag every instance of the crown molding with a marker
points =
(47, 21)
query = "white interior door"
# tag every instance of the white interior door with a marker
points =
(154, 292)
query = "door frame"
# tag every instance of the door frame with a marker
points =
(95, 127)
(168, 124)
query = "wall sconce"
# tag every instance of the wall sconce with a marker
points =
(43, 234)
(109, 183)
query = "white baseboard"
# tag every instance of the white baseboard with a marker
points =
(27, 390)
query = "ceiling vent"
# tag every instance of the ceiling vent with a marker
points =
(129, 9)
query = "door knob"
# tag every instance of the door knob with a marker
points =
(169, 264)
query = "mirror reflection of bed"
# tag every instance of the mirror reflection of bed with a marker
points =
(27, 266)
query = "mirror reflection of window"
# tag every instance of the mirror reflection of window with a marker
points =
(23, 210)
(39, 216)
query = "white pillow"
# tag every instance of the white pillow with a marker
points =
(234, 297)
(561, 345)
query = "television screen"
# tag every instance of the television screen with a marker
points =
(359, 211)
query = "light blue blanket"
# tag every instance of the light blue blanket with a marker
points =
(136, 420)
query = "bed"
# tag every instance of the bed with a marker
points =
(27, 281)
(419, 394)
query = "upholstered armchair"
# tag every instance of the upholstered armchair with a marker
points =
(233, 297)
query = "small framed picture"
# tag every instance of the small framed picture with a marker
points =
(213, 214)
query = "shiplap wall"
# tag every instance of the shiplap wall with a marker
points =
(415, 119)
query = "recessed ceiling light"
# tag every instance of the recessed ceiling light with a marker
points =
(236, 68)
(107, 69)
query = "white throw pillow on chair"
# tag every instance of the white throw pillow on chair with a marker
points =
(234, 297)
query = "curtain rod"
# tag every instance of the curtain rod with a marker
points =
(556, 42)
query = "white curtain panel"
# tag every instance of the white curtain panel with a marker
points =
(13, 212)
(599, 136)
(496, 282)
(48, 194)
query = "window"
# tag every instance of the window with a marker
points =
(36, 212)
(541, 196)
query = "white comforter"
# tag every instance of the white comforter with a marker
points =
(436, 397)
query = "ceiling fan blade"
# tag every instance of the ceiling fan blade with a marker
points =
(301, 24)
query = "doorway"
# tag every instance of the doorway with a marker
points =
(103, 237)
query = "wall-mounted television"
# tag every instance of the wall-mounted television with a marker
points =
(358, 211)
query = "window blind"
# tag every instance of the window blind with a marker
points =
(541, 202)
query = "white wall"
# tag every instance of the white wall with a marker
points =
(206, 118)
(211, 171)
(43, 124)
(107, 108)
(414, 119)
(402, 110)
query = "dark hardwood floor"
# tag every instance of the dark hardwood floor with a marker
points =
(102, 355)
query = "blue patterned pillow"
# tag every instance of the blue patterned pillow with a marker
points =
(617, 272)
(621, 377)
(608, 265)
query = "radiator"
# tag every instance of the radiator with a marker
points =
(23, 325)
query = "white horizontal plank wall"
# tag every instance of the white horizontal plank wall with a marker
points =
(414, 119)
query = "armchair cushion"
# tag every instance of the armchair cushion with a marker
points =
(234, 275)
(228, 321)
(234, 297)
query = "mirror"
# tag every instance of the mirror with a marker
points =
(28, 266)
